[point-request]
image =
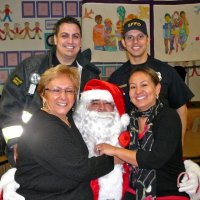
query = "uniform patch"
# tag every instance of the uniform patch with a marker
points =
(17, 81)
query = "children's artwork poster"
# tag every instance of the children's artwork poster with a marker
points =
(102, 26)
(178, 30)
(24, 31)
(26, 27)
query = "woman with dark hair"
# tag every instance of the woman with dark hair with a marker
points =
(155, 150)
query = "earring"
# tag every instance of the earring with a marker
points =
(44, 105)
(157, 96)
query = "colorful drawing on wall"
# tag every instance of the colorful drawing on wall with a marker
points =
(103, 28)
(17, 31)
(7, 13)
(26, 30)
(37, 31)
(179, 29)
(20, 31)
(7, 31)
(98, 34)
(109, 36)
(175, 31)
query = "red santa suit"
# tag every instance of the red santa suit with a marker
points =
(114, 184)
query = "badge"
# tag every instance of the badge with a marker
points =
(34, 79)
(17, 81)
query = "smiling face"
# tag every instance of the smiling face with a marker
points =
(68, 42)
(59, 96)
(143, 91)
(136, 47)
(101, 106)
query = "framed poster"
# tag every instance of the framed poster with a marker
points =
(102, 25)
(57, 9)
(2, 59)
(178, 30)
(71, 8)
(43, 9)
(24, 55)
(12, 58)
(28, 9)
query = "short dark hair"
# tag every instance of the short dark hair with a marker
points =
(167, 15)
(68, 20)
(147, 70)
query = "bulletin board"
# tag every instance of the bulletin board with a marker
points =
(26, 29)
(26, 25)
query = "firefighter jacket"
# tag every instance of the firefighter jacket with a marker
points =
(19, 93)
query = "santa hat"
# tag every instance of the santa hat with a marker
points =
(98, 89)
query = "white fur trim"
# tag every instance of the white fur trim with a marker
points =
(89, 95)
(111, 184)
(125, 120)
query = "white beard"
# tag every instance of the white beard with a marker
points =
(98, 127)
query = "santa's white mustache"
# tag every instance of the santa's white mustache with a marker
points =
(102, 115)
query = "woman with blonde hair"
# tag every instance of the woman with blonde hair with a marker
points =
(53, 161)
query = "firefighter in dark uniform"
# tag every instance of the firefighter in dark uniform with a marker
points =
(19, 97)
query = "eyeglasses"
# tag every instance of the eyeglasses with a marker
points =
(138, 37)
(100, 104)
(58, 91)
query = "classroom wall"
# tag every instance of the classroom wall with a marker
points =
(28, 31)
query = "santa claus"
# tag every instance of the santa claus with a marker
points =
(100, 117)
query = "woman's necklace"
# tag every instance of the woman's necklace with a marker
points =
(66, 121)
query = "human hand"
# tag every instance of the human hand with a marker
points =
(9, 186)
(192, 166)
(189, 183)
(106, 149)
(9, 191)
(8, 177)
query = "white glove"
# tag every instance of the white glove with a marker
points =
(9, 186)
(7, 177)
(9, 192)
(189, 185)
(192, 166)
(192, 169)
